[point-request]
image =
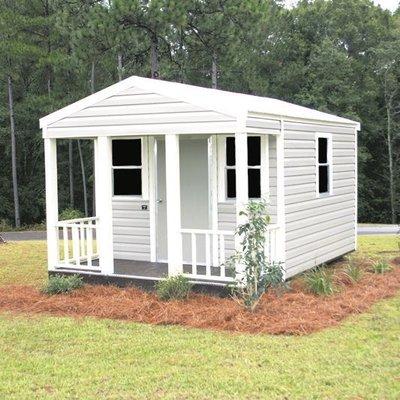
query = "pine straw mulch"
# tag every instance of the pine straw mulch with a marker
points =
(295, 312)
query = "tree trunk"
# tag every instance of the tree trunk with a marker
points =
(13, 153)
(71, 174)
(85, 202)
(214, 72)
(391, 169)
(120, 68)
(92, 77)
(154, 57)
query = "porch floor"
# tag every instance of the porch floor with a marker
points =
(148, 270)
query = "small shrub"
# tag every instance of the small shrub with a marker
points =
(175, 287)
(352, 272)
(380, 267)
(62, 284)
(320, 282)
(259, 275)
(70, 213)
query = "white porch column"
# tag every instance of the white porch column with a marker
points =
(174, 238)
(103, 189)
(50, 155)
(242, 194)
(280, 195)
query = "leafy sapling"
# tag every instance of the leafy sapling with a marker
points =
(256, 274)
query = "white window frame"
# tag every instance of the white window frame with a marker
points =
(143, 168)
(222, 168)
(329, 164)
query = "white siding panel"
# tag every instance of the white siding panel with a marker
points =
(318, 229)
(131, 229)
(139, 112)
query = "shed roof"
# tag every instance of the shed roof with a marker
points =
(236, 105)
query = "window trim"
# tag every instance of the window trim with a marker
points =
(143, 168)
(329, 164)
(223, 168)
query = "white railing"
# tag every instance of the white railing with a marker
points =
(271, 242)
(208, 262)
(78, 244)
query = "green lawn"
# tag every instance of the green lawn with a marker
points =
(58, 358)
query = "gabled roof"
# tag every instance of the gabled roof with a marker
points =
(237, 105)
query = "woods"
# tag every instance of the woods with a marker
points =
(333, 55)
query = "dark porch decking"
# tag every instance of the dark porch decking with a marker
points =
(157, 270)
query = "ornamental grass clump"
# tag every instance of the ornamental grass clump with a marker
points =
(320, 282)
(173, 288)
(352, 272)
(257, 274)
(380, 267)
(62, 284)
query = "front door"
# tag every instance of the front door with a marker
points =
(195, 204)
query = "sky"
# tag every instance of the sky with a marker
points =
(387, 4)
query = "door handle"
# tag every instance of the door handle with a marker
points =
(159, 201)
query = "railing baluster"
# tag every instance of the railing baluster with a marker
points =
(66, 244)
(89, 243)
(194, 254)
(75, 245)
(222, 254)
(215, 249)
(82, 238)
(208, 267)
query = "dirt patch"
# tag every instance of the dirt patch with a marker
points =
(295, 312)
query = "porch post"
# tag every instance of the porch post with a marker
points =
(280, 195)
(242, 195)
(103, 190)
(50, 155)
(172, 171)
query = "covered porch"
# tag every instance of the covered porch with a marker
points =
(93, 245)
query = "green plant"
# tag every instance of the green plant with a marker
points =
(258, 274)
(320, 281)
(175, 287)
(352, 272)
(380, 267)
(62, 284)
(70, 213)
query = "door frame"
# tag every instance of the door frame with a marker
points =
(212, 154)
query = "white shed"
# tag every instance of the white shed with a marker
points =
(174, 166)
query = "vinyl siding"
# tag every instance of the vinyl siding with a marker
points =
(131, 229)
(136, 111)
(318, 229)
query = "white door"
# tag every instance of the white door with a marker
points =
(195, 204)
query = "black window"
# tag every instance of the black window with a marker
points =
(323, 165)
(254, 167)
(127, 167)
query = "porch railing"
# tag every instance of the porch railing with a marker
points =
(78, 244)
(209, 262)
(215, 251)
(271, 242)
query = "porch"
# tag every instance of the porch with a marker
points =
(196, 246)
(78, 252)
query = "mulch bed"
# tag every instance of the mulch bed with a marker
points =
(295, 312)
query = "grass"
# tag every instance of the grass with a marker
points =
(62, 358)
(23, 263)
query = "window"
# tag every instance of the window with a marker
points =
(324, 165)
(127, 167)
(253, 167)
